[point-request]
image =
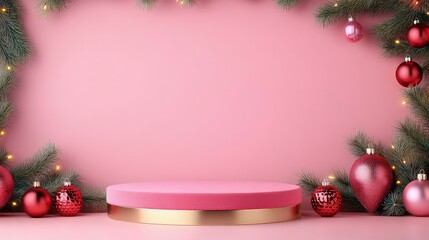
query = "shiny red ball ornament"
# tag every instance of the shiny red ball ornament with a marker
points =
(6, 186)
(68, 200)
(409, 73)
(353, 31)
(326, 200)
(418, 35)
(416, 196)
(371, 178)
(36, 202)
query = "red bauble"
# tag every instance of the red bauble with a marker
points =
(409, 73)
(371, 178)
(36, 202)
(418, 35)
(6, 186)
(353, 31)
(326, 200)
(68, 200)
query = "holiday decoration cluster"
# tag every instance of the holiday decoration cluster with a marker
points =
(16, 193)
(390, 180)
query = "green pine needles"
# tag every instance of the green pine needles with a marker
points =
(14, 49)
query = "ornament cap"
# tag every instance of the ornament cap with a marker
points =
(67, 182)
(408, 58)
(370, 150)
(325, 182)
(36, 184)
(422, 175)
(416, 21)
(351, 18)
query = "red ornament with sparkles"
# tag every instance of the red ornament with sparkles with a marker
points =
(409, 73)
(326, 200)
(6, 186)
(418, 35)
(371, 178)
(36, 202)
(68, 200)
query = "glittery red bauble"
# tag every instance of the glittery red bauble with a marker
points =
(36, 202)
(326, 201)
(6, 186)
(409, 73)
(68, 200)
(418, 35)
(371, 178)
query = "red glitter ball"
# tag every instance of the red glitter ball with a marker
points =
(68, 200)
(326, 201)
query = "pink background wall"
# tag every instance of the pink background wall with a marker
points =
(224, 90)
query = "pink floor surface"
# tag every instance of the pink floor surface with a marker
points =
(348, 226)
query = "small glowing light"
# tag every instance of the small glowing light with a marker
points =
(427, 13)
(45, 7)
(14, 204)
(404, 161)
(417, 2)
(331, 177)
(9, 67)
(4, 10)
(2, 132)
(397, 41)
(398, 182)
(404, 102)
(336, 5)
(393, 167)
(9, 157)
(57, 168)
(393, 147)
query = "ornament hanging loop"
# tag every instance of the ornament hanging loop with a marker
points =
(416, 21)
(370, 150)
(67, 182)
(408, 58)
(325, 182)
(36, 184)
(351, 18)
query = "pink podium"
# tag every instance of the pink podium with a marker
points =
(204, 203)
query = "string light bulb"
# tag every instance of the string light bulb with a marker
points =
(404, 161)
(9, 68)
(4, 10)
(9, 157)
(397, 41)
(392, 146)
(331, 177)
(393, 167)
(181, 2)
(2, 132)
(14, 204)
(336, 5)
(404, 102)
(45, 7)
(57, 168)
(398, 182)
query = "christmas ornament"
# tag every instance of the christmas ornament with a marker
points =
(326, 200)
(353, 30)
(6, 186)
(416, 196)
(409, 73)
(68, 200)
(36, 202)
(418, 35)
(371, 179)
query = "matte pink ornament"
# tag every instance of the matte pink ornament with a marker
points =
(371, 178)
(416, 196)
(353, 30)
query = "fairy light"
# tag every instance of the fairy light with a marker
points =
(3, 10)
(57, 168)
(9, 157)
(14, 204)
(393, 167)
(397, 41)
(8, 67)
(398, 182)
(45, 7)
(404, 161)
(393, 147)
(336, 5)
(404, 102)
(181, 2)
(2, 132)
(427, 13)
(331, 177)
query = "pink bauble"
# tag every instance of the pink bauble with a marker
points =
(353, 30)
(371, 178)
(416, 196)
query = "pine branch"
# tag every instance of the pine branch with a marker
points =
(36, 168)
(5, 110)
(6, 82)
(47, 7)
(94, 199)
(418, 98)
(393, 205)
(287, 3)
(360, 142)
(3, 159)
(414, 134)
(189, 3)
(308, 182)
(147, 4)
